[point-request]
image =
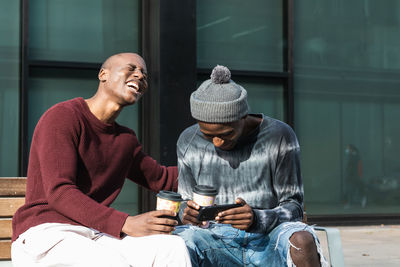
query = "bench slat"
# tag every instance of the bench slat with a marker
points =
(12, 196)
(9, 205)
(12, 186)
(5, 249)
(5, 228)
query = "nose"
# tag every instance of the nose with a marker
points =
(138, 74)
(218, 142)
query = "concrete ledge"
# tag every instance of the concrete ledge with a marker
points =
(5, 264)
(370, 245)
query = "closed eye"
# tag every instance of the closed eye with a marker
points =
(223, 135)
(134, 67)
(226, 134)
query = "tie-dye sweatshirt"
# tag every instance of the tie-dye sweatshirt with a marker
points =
(263, 169)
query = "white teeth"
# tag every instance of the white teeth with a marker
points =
(133, 84)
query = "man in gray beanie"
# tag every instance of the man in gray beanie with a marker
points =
(252, 160)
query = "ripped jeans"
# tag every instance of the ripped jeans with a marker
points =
(223, 245)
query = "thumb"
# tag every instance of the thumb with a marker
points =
(240, 201)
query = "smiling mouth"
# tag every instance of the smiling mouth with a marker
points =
(134, 86)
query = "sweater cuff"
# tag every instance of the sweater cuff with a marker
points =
(115, 223)
(264, 222)
(254, 223)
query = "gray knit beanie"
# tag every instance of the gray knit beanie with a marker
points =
(219, 99)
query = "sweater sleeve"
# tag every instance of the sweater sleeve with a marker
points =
(56, 142)
(148, 173)
(185, 177)
(287, 183)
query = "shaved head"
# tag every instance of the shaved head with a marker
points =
(112, 60)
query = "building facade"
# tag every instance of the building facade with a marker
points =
(330, 69)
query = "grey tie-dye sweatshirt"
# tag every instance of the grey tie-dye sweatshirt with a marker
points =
(263, 169)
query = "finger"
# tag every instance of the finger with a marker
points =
(165, 221)
(190, 220)
(158, 213)
(193, 205)
(239, 210)
(240, 200)
(162, 229)
(191, 212)
(153, 228)
(236, 216)
(191, 217)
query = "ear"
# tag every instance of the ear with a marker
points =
(103, 75)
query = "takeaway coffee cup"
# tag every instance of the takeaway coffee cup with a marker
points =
(204, 195)
(168, 200)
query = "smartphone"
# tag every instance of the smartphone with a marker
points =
(210, 212)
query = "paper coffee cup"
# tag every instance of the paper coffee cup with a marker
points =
(168, 200)
(204, 195)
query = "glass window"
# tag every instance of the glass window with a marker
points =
(83, 31)
(240, 35)
(347, 105)
(9, 87)
(51, 86)
(262, 96)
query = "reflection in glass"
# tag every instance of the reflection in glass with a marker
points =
(9, 87)
(83, 31)
(240, 35)
(347, 105)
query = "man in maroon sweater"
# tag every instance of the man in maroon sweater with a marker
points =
(78, 162)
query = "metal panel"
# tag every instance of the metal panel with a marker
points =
(169, 48)
(23, 103)
(289, 61)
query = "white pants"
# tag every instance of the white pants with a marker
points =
(55, 244)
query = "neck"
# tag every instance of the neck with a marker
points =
(103, 109)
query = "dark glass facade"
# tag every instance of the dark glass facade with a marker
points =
(328, 69)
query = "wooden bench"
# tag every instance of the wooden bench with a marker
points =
(12, 196)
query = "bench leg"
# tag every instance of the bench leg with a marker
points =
(334, 245)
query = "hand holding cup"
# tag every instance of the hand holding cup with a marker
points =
(203, 195)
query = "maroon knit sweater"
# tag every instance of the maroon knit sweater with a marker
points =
(77, 167)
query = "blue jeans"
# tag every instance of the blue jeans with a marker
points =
(223, 245)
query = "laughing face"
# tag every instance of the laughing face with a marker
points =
(125, 78)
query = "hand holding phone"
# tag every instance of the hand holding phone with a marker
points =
(239, 215)
(209, 213)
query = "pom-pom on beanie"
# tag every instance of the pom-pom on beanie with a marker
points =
(219, 99)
